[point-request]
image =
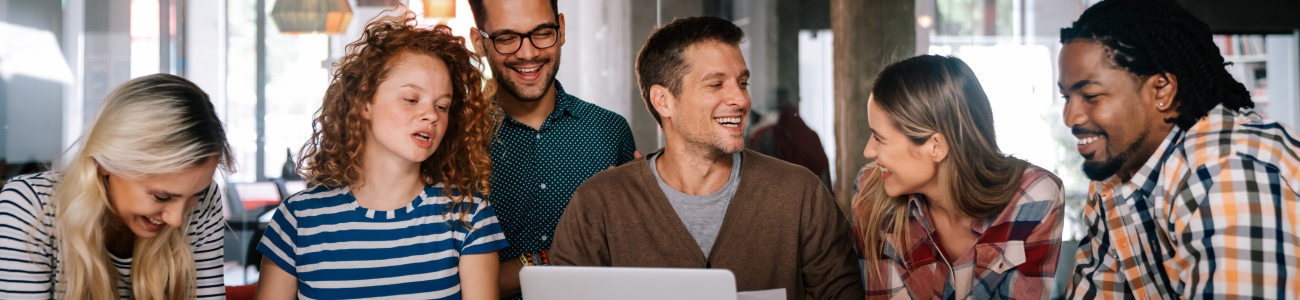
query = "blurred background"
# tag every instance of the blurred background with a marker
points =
(266, 65)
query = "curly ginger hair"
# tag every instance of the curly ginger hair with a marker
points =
(333, 155)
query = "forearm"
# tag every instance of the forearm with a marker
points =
(508, 278)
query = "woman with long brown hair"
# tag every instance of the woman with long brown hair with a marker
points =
(398, 167)
(942, 213)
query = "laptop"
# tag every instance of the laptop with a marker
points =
(592, 283)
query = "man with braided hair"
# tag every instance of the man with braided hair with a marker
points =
(1193, 193)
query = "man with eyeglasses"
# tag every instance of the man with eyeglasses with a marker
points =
(549, 141)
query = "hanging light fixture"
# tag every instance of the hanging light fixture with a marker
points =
(440, 9)
(378, 3)
(312, 16)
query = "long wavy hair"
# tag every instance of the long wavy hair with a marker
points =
(922, 96)
(152, 125)
(332, 157)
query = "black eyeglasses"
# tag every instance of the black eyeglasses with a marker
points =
(509, 43)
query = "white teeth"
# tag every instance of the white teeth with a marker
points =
(728, 122)
(423, 136)
(528, 70)
(155, 221)
(1088, 140)
(884, 170)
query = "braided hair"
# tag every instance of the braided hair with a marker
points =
(1151, 37)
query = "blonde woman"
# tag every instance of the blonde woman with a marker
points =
(943, 213)
(134, 215)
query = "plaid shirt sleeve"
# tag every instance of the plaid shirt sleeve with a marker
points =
(1232, 223)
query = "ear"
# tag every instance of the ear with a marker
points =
(476, 39)
(100, 170)
(365, 110)
(663, 101)
(1165, 88)
(561, 20)
(937, 147)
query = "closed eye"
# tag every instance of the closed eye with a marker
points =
(162, 199)
(412, 100)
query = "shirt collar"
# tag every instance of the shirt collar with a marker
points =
(565, 103)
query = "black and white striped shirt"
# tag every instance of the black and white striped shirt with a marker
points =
(29, 254)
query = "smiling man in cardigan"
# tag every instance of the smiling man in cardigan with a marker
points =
(703, 201)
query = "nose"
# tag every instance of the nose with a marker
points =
(174, 213)
(870, 150)
(526, 49)
(428, 113)
(738, 97)
(1074, 114)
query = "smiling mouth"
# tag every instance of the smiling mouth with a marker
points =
(885, 173)
(728, 122)
(154, 221)
(1088, 140)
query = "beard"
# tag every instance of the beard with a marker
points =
(1100, 170)
(707, 143)
(511, 87)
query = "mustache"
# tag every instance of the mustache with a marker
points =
(535, 61)
(1077, 130)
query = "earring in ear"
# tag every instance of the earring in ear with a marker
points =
(1162, 104)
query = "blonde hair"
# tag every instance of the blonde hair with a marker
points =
(155, 124)
(925, 95)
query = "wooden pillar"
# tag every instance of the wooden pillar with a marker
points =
(869, 34)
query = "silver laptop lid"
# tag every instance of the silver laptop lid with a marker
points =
(592, 283)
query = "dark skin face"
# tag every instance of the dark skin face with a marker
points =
(1118, 117)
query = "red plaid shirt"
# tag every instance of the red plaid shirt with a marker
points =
(1014, 257)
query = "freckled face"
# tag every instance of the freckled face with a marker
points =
(408, 115)
(147, 205)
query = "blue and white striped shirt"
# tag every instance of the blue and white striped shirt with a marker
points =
(340, 250)
(29, 253)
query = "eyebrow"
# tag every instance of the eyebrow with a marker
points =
(497, 33)
(743, 74)
(1078, 85)
(412, 85)
(166, 194)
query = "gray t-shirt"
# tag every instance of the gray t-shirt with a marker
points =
(702, 215)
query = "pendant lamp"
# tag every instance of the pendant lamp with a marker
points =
(312, 16)
(440, 9)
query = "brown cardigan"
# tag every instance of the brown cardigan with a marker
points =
(782, 230)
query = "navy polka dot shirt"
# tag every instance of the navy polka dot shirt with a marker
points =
(534, 172)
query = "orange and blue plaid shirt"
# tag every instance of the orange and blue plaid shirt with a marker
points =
(1014, 257)
(1211, 215)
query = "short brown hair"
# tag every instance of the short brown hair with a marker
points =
(661, 62)
(332, 157)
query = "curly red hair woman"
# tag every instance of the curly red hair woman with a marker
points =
(397, 168)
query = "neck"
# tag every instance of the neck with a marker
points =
(693, 171)
(387, 184)
(944, 207)
(1150, 143)
(531, 113)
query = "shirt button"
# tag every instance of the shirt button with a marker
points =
(543, 237)
(543, 186)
